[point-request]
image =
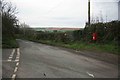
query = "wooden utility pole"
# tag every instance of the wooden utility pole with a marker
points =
(88, 12)
(119, 10)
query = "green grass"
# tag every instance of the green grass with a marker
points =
(9, 43)
(109, 48)
(81, 45)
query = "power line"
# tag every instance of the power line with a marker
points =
(54, 7)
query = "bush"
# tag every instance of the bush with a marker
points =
(107, 32)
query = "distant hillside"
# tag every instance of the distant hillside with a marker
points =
(56, 29)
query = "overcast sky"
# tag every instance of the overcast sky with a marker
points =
(63, 13)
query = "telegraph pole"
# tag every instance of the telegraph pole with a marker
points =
(89, 13)
(119, 10)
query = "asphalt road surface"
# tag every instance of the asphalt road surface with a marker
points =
(35, 60)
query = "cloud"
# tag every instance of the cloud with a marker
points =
(61, 12)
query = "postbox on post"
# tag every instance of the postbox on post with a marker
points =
(94, 36)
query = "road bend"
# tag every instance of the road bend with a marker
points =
(44, 61)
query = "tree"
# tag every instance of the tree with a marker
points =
(9, 21)
(26, 31)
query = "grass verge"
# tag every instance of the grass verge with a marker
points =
(108, 48)
(9, 43)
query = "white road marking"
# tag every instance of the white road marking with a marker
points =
(90, 74)
(17, 63)
(11, 55)
(16, 60)
(16, 68)
(13, 76)
(13, 52)
(18, 55)
(18, 50)
(9, 60)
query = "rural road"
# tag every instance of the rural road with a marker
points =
(37, 60)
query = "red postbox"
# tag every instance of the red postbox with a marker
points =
(94, 36)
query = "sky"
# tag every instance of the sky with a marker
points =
(63, 13)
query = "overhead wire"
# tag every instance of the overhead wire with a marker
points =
(53, 8)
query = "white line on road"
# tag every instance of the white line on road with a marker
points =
(26, 42)
(13, 76)
(18, 49)
(90, 74)
(11, 55)
(17, 63)
(9, 60)
(16, 60)
(18, 55)
(13, 52)
(16, 68)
